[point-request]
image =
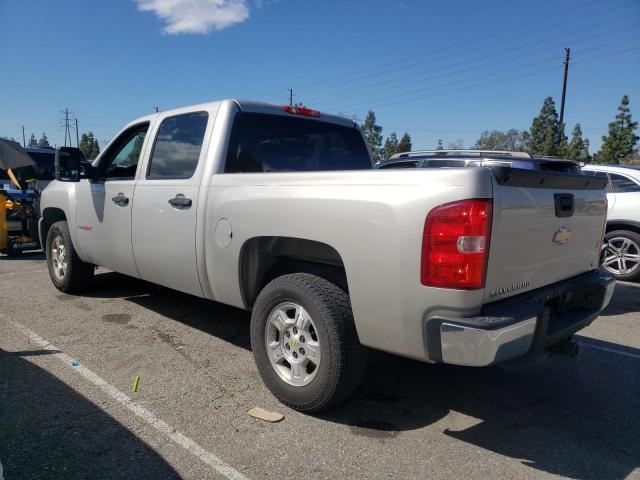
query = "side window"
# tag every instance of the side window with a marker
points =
(601, 175)
(121, 159)
(177, 148)
(622, 184)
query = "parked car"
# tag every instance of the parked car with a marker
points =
(622, 253)
(478, 158)
(278, 210)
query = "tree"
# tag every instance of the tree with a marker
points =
(44, 141)
(547, 133)
(439, 147)
(512, 140)
(373, 136)
(89, 145)
(455, 144)
(621, 139)
(578, 148)
(32, 141)
(405, 143)
(391, 145)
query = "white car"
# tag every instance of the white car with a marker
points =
(622, 254)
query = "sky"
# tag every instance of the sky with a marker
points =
(437, 70)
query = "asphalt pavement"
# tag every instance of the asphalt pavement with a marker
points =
(67, 410)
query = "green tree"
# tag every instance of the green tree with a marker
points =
(44, 141)
(89, 145)
(439, 147)
(373, 136)
(405, 143)
(578, 148)
(512, 140)
(391, 145)
(33, 142)
(547, 133)
(456, 144)
(621, 139)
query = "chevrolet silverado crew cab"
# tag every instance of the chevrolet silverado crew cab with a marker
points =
(278, 210)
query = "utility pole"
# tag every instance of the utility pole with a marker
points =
(77, 135)
(564, 82)
(24, 142)
(156, 109)
(290, 97)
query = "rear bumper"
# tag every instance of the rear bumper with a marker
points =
(514, 326)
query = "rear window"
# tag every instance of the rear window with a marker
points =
(277, 143)
(623, 184)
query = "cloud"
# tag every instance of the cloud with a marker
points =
(196, 16)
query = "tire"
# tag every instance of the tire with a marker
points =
(622, 255)
(68, 273)
(340, 357)
(11, 252)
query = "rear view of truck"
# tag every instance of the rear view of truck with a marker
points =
(534, 248)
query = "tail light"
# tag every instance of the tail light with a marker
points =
(304, 111)
(455, 245)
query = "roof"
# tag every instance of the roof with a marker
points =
(459, 153)
(632, 170)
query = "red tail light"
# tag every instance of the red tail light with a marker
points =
(455, 245)
(307, 112)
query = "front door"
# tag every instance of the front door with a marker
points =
(103, 211)
(166, 201)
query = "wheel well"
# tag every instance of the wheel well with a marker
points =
(616, 225)
(50, 216)
(264, 258)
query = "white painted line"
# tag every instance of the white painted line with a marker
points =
(21, 273)
(177, 437)
(609, 350)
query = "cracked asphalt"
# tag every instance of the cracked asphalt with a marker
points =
(541, 416)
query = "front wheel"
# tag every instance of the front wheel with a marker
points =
(305, 343)
(621, 255)
(68, 273)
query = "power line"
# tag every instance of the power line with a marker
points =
(438, 70)
(492, 82)
(474, 40)
(67, 119)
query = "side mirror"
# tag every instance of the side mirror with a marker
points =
(68, 164)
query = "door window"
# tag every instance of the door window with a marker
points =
(623, 184)
(177, 148)
(120, 161)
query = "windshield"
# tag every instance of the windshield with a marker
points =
(42, 170)
(277, 143)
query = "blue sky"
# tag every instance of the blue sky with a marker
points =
(439, 70)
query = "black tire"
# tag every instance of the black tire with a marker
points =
(12, 252)
(343, 359)
(634, 238)
(78, 274)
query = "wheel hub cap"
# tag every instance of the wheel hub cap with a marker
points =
(622, 256)
(292, 344)
(58, 258)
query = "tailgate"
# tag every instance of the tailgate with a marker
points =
(547, 227)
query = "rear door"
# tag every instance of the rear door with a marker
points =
(165, 203)
(546, 227)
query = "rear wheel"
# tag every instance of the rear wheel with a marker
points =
(304, 342)
(622, 254)
(68, 273)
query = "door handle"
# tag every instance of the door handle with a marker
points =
(180, 201)
(121, 200)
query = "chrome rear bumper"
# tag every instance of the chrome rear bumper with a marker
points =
(515, 326)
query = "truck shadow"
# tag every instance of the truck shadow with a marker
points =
(50, 431)
(626, 298)
(578, 418)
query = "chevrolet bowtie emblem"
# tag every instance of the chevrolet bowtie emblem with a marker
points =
(293, 343)
(561, 236)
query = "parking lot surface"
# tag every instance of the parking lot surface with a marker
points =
(67, 409)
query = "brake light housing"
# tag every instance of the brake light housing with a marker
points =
(455, 244)
(304, 111)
